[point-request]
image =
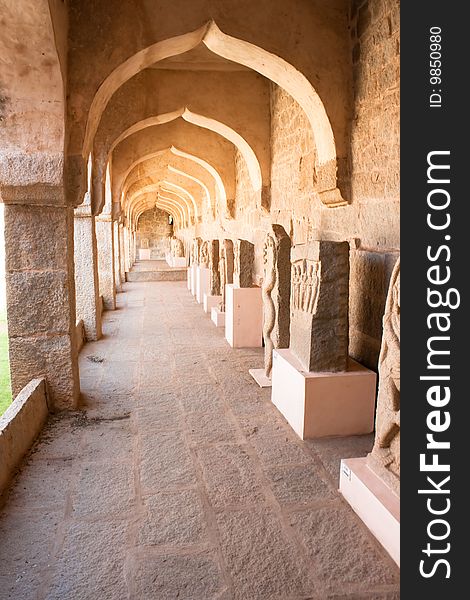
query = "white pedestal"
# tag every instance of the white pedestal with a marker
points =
(193, 269)
(210, 302)
(259, 376)
(144, 253)
(169, 260)
(189, 278)
(323, 404)
(202, 283)
(217, 317)
(374, 502)
(243, 316)
(178, 261)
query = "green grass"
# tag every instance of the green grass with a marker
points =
(5, 389)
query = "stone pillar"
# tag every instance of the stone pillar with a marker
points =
(122, 254)
(104, 237)
(117, 262)
(86, 272)
(41, 295)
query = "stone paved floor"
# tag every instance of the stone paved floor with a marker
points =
(180, 479)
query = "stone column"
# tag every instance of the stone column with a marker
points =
(122, 254)
(104, 237)
(41, 293)
(86, 272)
(117, 262)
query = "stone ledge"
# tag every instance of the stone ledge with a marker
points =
(20, 425)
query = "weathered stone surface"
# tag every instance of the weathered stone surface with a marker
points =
(104, 240)
(226, 268)
(154, 232)
(204, 254)
(262, 569)
(104, 492)
(173, 518)
(195, 250)
(203, 521)
(183, 577)
(319, 305)
(87, 294)
(176, 247)
(298, 484)
(342, 551)
(214, 283)
(55, 358)
(93, 543)
(276, 294)
(229, 475)
(165, 462)
(385, 456)
(243, 259)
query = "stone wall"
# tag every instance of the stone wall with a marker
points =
(154, 232)
(369, 177)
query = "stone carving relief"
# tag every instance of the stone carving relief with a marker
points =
(276, 293)
(225, 269)
(204, 254)
(244, 255)
(214, 283)
(385, 456)
(319, 328)
(195, 249)
(144, 243)
(176, 247)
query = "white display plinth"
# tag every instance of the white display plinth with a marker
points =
(193, 278)
(259, 376)
(243, 316)
(203, 275)
(210, 302)
(144, 253)
(169, 260)
(217, 317)
(375, 503)
(189, 278)
(323, 404)
(178, 261)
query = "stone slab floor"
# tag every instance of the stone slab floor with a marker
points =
(181, 480)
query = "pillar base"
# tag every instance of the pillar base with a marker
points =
(374, 502)
(202, 283)
(193, 276)
(244, 317)
(323, 404)
(259, 376)
(217, 317)
(211, 301)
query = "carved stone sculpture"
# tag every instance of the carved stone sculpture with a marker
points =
(244, 255)
(195, 249)
(319, 326)
(144, 243)
(384, 459)
(204, 254)
(176, 247)
(214, 283)
(276, 294)
(225, 269)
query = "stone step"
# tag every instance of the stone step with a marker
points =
(170, 275)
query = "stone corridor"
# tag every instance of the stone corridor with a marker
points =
(181, 480)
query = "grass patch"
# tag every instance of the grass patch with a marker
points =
(5, 387)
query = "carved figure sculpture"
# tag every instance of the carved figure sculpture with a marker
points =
(385, 456)
(225, 269)
(204, 254)
(176, 247)
(243, 259)
(214, 283)
(276, 294)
